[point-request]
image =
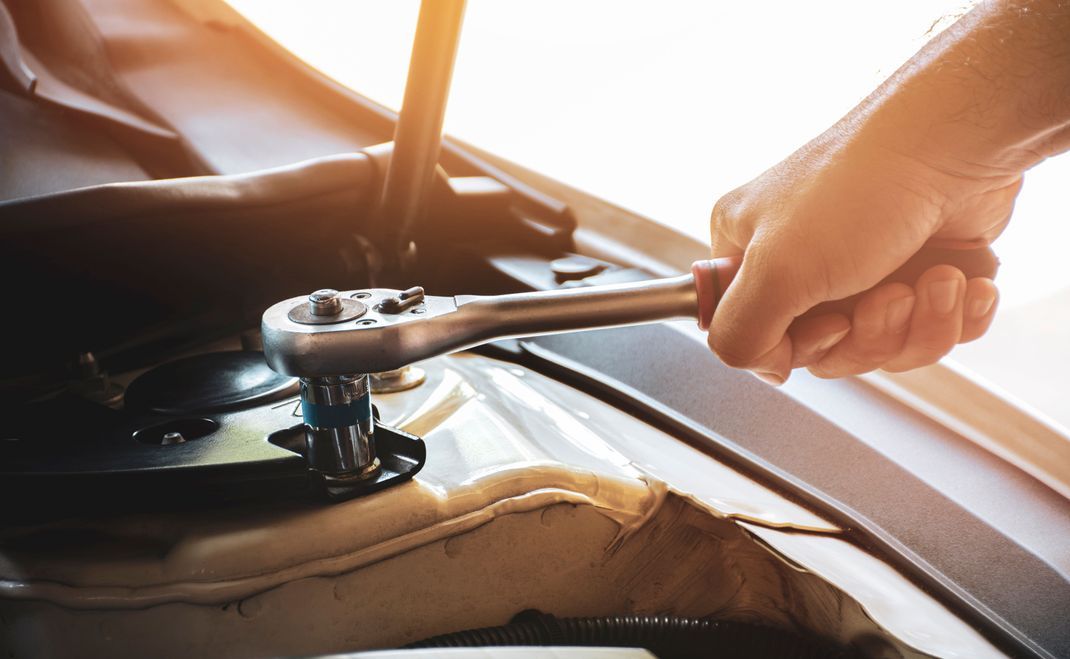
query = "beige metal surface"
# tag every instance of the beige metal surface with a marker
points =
(534, 496)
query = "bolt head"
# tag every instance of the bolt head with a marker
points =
(324, 302)
(323, 295)
(172, 438)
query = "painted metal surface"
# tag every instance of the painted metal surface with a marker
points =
(534, 494)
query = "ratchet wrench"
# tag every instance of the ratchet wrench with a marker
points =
(332, 333)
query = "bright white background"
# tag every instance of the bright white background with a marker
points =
(662, 107)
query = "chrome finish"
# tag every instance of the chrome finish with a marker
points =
(324, 302)
(342, 481)
(334, 391)
(251, 341)
(340, 451)
(171, 438)
(384, 342)
(343, 449)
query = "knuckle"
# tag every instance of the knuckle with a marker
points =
(726, 207)
(906, 365)
(820, 371)
(807, 359)
(730, 352)
(936, 355)
(874, 355)
(933, 347)
(915, 359)
(832, 374)
(732, 358)
(841, 369)
(845, 364)
(727, 211)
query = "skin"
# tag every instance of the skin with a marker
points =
(936, 154)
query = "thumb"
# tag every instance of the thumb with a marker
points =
(750, 325)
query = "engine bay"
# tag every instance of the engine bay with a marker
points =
(268, 390)
(535, 496)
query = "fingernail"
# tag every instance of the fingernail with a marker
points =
(769, 378)
(981, 306)
(943, 295)
(897, 314)
(832, 339)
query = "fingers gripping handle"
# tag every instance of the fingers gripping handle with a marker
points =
(713, 277)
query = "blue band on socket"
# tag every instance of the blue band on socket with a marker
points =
(337, 416)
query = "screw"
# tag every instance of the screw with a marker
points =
(419, 310)
(88, 366)
(324, 302)
(361, 295)
(367, 321)
(171, 438)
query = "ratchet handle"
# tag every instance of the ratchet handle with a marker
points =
(713, 277)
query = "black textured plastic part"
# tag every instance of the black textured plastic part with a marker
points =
(668, 637)
(401, 456)
(209, 382)
(86, 459)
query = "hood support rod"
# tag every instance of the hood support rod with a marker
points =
(418, 135)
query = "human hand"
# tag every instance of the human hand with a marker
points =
(833, 220)
(934, 155)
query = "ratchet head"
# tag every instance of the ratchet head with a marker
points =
(373, 330)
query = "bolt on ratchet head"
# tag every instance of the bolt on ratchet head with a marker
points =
(381, 330)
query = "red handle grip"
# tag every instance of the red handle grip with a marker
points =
(713, 277)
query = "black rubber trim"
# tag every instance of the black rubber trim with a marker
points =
(1016, 600)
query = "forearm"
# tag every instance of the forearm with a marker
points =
(988, 97)
(935, 154)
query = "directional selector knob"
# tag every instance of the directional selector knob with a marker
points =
(402, 301)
